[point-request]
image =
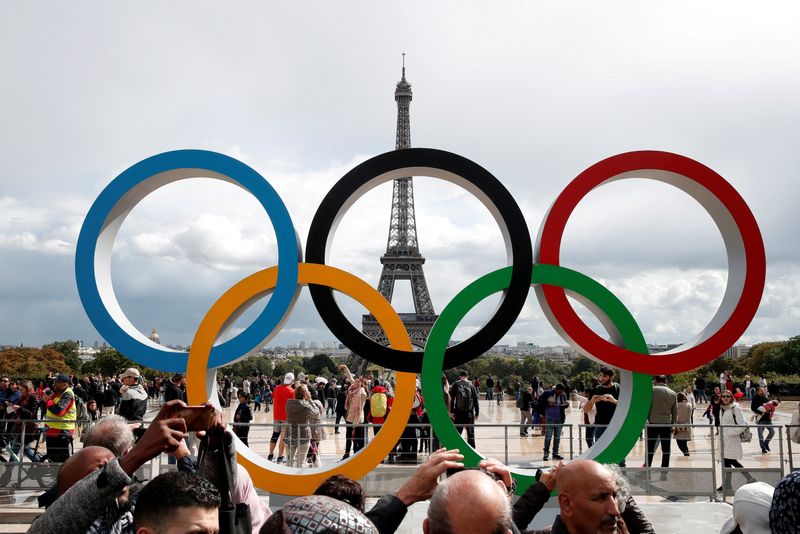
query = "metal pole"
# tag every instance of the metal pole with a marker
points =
(713, 467)
(505, 442)
(571, 446)
(722, 461)
(780, 449)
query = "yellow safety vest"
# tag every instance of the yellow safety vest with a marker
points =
(65, 421)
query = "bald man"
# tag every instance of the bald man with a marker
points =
(587, 499)
(85, 461)
(469, 501)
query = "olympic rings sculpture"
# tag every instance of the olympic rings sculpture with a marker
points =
(626, 350)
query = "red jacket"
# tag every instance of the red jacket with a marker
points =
(281, 394)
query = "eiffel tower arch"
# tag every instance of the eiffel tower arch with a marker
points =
(402, 259)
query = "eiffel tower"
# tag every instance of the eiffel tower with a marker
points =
(402, 260)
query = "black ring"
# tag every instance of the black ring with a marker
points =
(425, 161)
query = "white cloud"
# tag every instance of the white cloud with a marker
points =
(545, 93)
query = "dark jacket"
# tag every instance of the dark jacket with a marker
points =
(172, 391)
(299, 413)
(134, 403)
(533, 500)
(243, 414)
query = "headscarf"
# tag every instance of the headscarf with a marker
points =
(319, 514)
(784, 514)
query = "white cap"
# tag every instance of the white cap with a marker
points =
(321, 380)
(134, 372)
(289, 378)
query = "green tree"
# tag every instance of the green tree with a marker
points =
(783, 359)
(758, 356)
(581, 364)
(318, 363)
(109, 362)
(247, 366)
(69, 349)
(531, 366)
(31, 363)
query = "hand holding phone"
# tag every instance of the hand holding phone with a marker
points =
(196, 417)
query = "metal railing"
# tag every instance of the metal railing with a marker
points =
(698, 477)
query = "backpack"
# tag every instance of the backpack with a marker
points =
(520, 402)
(463, 396)
(378, 404)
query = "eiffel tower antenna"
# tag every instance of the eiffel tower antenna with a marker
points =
(402, 260)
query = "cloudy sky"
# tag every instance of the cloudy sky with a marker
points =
(533, 91)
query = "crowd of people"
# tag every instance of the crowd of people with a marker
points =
(110, 410)
(97, 491)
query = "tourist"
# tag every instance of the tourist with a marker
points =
(299, 412)
(683, 432)
(525, 405)
(588, 417)
(750, 511)
(663, 411)
(354, 403)
(177, 502)
(604, 398)
(489, 387)
(330, 398)
(281, 396)
(748, 387)
(341, 397)
(97, 493)
(688, 392)
(343, 488)
(134, 398)
(23, 412)
(716, 405)
(700, 389)
(469, 501)
(733, 423)
(318, 513)
(111, 432)
(498, 391)
(784, 512)
(764, 410)
(175, 388)
(318, 432)
(242, 417)
(379, 406)
(555, 402)
(464, 406)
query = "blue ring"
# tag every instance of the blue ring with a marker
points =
(233, 170)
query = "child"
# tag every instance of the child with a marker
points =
(257, 402)
(707, 414)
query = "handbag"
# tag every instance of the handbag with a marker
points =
(745, 435)
(215, 462)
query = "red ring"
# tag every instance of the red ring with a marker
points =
(549, 244)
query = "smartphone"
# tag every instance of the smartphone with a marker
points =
(196, 417)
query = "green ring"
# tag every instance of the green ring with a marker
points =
(607, 306)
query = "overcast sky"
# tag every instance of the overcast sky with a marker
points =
(535, 92)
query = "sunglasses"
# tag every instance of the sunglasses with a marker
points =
(727, 396)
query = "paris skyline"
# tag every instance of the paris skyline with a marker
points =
(545, 93)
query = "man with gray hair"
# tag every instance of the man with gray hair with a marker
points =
(112, 432)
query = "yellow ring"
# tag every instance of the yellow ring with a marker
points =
(278, 478)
